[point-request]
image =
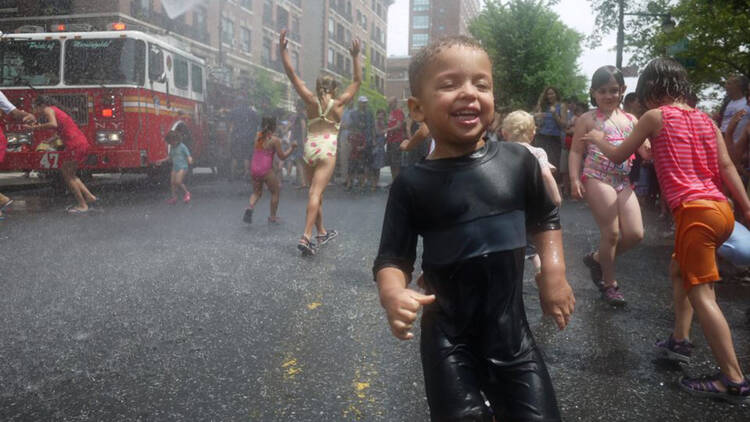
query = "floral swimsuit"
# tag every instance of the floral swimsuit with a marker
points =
(321, 145)
(597, 165)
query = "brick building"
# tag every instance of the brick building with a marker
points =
(237, 38)
(431, 19)
(428, 20)
(398, 77)
(336, 23)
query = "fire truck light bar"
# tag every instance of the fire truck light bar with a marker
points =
(118, 26)
(73, 27)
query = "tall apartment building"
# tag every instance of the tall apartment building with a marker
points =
(431, 19)
(328, 30)
(428, 20)
(237, 38)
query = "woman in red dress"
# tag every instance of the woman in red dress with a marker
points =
(75, 152)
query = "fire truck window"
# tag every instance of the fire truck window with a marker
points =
(105, 61)
(155, 62)
(30, 62)
(181, 77)
(197, 78)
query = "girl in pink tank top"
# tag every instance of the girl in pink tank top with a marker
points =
(266, 146)
(691, 163)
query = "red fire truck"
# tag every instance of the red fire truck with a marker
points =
(125, 90)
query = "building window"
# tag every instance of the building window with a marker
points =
(331, 28)
(246, 40)
(295, 61)
(420, 22)
(420, 5)
(340, 35)
(268, 12)
(282, 18)
(266, 53)
(419, 40)
(227, 31)
(295, 28)
(199, 19)
(330, 57)
(247, 4)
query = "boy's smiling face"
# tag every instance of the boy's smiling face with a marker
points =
(455, 98)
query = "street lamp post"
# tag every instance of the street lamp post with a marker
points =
(667, 24)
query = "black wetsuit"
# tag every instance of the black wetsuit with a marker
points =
(473, 213)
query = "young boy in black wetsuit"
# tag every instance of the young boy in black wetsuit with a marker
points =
(472, 202)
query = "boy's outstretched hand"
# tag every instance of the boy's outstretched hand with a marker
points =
(401, 306)
(557, 300)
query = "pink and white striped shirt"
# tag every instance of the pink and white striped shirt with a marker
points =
(686, 157)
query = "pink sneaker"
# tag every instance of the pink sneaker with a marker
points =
(171, 201)
(186, 198)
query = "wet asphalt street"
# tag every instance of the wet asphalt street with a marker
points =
(152, 312)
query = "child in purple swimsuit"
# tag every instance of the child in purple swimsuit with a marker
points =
(261, 168)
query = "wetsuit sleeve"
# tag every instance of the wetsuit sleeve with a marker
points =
(398, 239)
(541, 212)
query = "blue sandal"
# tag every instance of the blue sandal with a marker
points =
(737, 393)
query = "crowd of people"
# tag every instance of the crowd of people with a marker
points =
(483, 188)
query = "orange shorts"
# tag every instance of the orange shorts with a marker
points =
(702, 226)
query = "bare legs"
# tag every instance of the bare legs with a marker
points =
(701, 300)
(176, 181)
(271, 181)
(318, 177)
(81, 193)
(618, 216)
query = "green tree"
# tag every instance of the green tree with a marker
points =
(375, 99)
(265, 92)
(712, 38)
(530, 49)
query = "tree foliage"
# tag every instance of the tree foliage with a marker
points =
(265, 92)
(711, 37)
(530, 49)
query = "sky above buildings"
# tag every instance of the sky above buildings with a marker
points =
(576, 14)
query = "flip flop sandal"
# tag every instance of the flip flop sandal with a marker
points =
(6, 205)
(76, 211)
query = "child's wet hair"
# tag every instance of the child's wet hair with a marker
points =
(268, 124)
(326, 85)
(424, 56)
(44, 101)
(663, 79)
(518, 125)
(172, 136)
(602, 76)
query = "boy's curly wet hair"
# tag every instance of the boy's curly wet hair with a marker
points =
(424, 56)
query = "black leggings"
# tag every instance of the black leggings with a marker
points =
(475, 340)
